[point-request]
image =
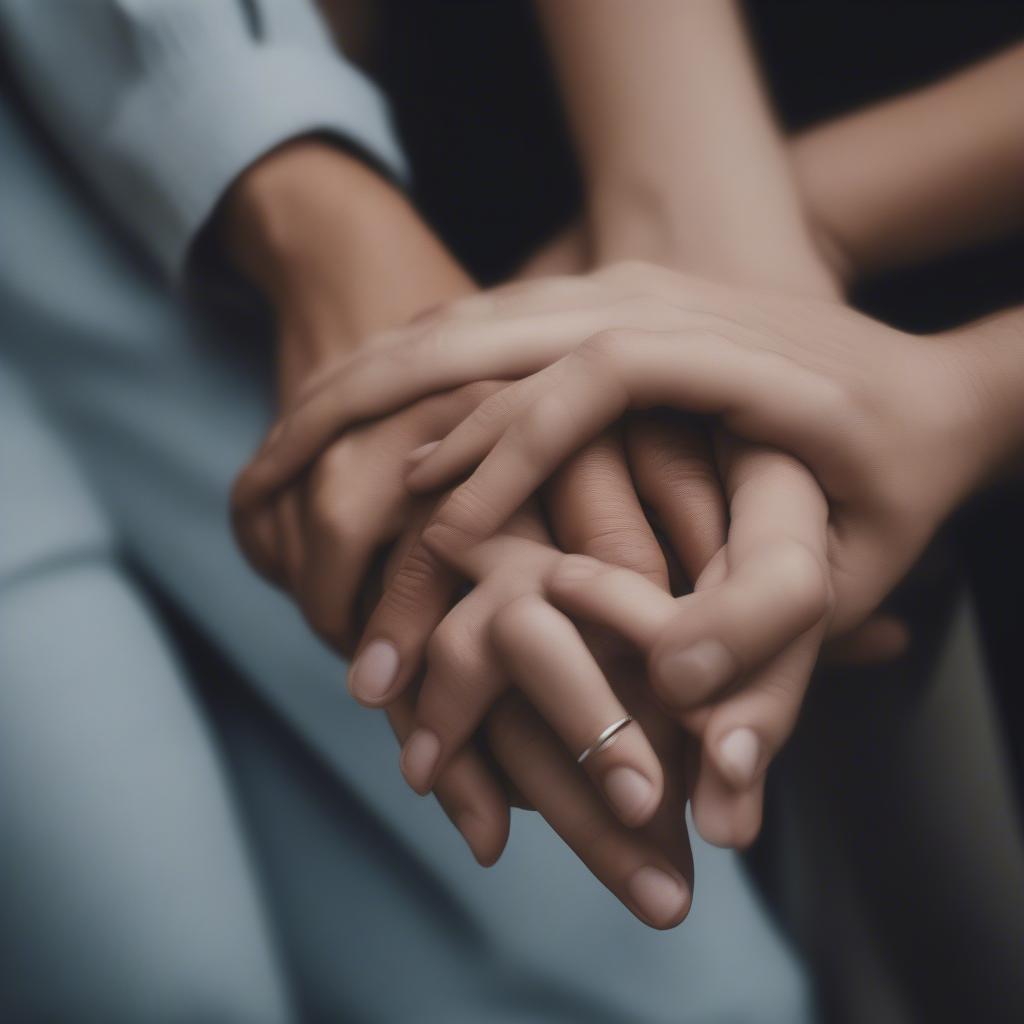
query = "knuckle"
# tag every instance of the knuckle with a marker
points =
(418, 573)
(548, 417)
(516, 620)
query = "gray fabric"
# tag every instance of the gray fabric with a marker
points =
(126, 888)
(162, 103)
(160, 406)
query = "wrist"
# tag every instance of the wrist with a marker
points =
(647, 221)
(986, 363)
(276, 215)
(337, 250)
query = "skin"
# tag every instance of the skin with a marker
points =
(678, 478)
(794, 373)
(278, 543)
(798, 374)
(672, 464)
(318, 232)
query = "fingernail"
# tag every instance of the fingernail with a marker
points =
(373, 672)
(575, 569)
(474, 830)
(419, 758)
(738, 755)
(658, 896)
(699, 668)
(630, 793)
(417, 455)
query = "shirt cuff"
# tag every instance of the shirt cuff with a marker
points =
(189, 127)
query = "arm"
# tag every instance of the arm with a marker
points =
(920, 175)
(161, 104)
(902, 181)
(685, 166)
(682, 160)
(580, 473)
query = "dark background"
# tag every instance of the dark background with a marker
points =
(494, 173)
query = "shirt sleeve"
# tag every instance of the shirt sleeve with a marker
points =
(160, 104)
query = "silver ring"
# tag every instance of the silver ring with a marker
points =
(605, 738)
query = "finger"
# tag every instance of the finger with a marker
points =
(417, 595)
(777, 589)
(674, 468)
(505, 333)
(777, 586)
(612, 597)
(553, 668)
(642, 613)
(467, 790)
(741, 736)
(464, 676)
(463, 680)
(774, 501)
(442, 356)
(594, 510)
(633, 867)
(679, 752)
(344, 527)
(758, 393)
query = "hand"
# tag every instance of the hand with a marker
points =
(481, 648)
(767, 584)
(318, 535)
(502, 634)
(327, 240)
(800, 374)
(655, 467)
(739, 824)
(485, 662)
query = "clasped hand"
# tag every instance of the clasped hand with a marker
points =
(828, 470)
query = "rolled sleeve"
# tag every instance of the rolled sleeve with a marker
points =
(161, 104)
(184, 133)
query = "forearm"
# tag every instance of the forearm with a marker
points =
(338, 250)
(160, 104)
(922, 174)
(679, 149)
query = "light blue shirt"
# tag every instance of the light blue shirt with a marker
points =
(160, 104)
